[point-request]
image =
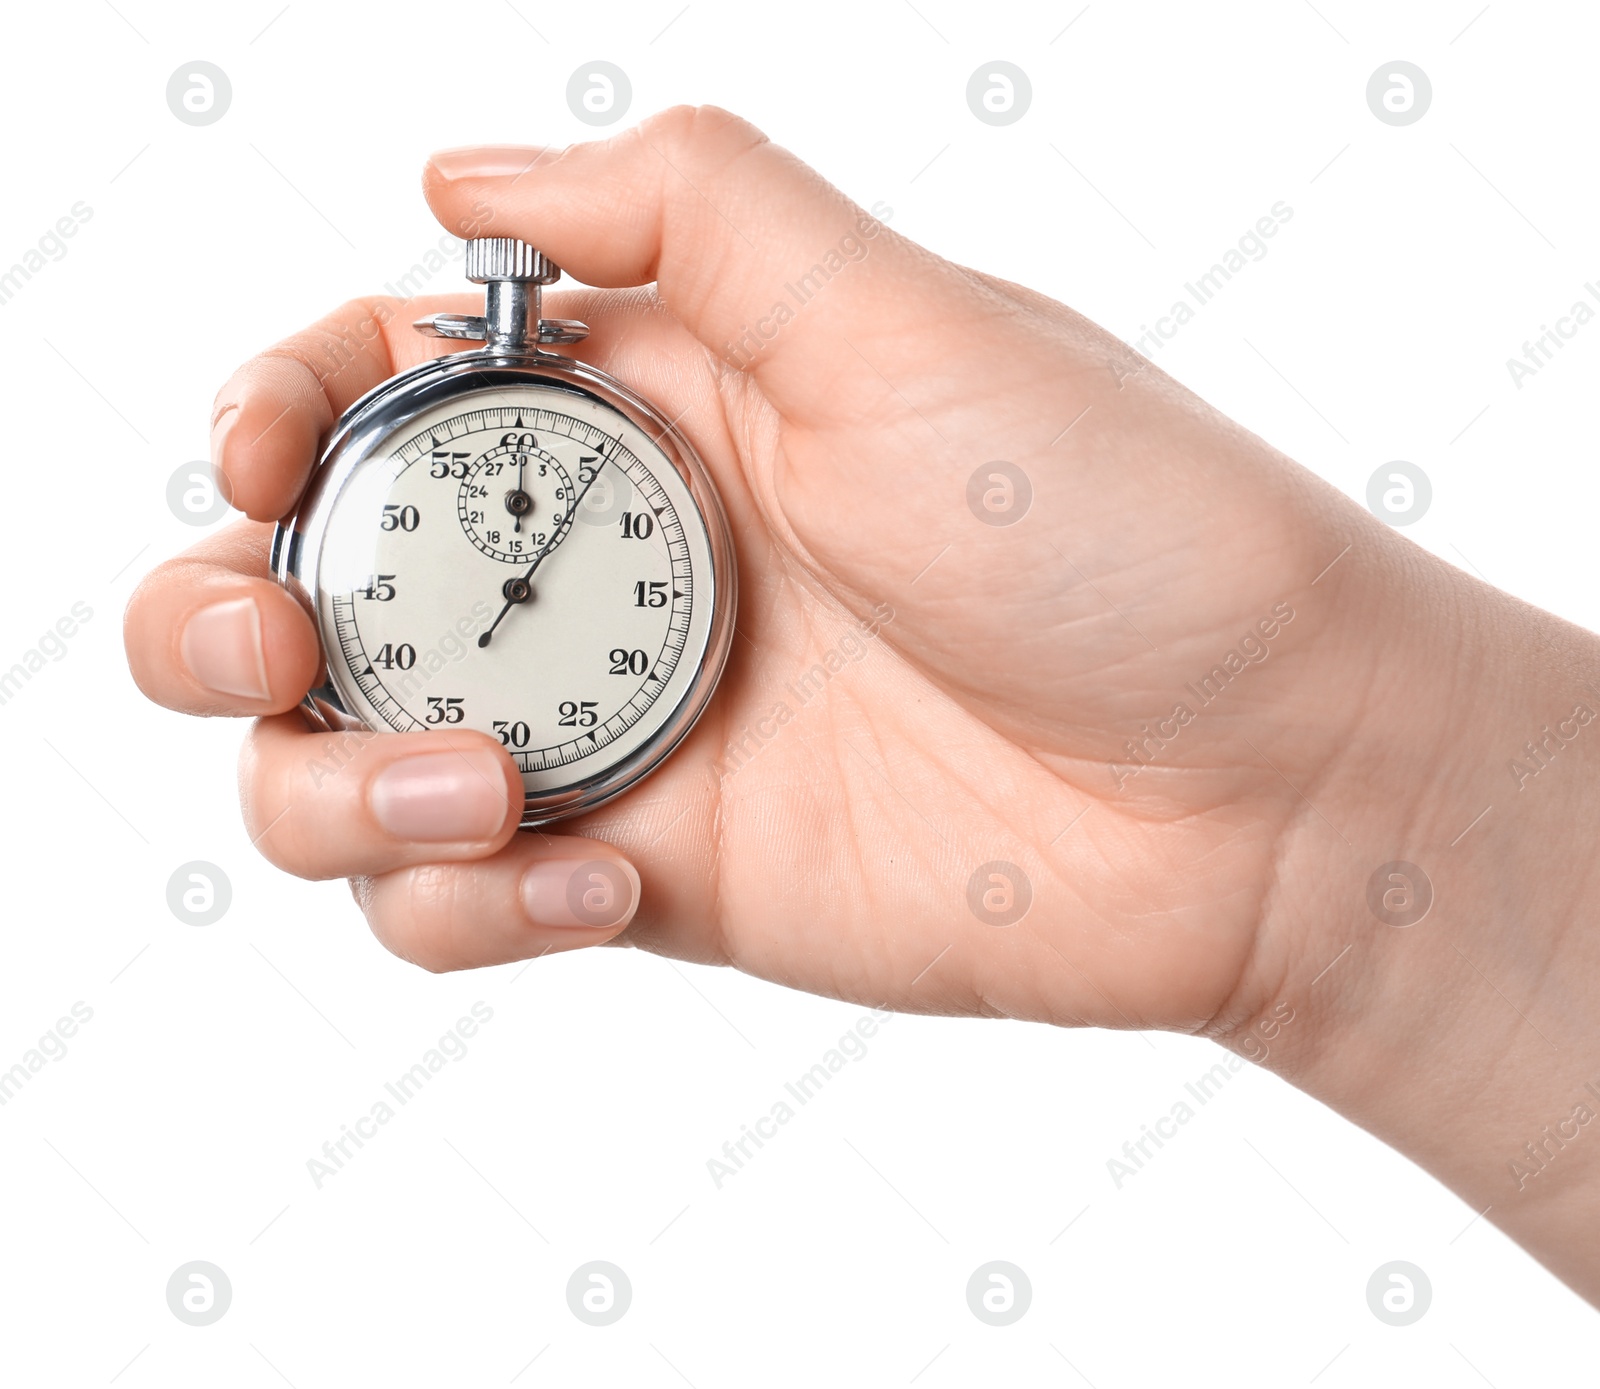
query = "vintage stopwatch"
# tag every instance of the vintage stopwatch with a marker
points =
(510, 540)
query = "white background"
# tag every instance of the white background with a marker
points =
(179, 1124)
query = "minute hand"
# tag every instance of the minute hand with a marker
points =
(538, 559)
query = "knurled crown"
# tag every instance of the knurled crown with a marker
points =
(505, 258)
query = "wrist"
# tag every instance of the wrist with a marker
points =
(1439, 975)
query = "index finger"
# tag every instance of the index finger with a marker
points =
(270, 416)
(742, 238)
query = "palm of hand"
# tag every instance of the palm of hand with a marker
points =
(915, 696)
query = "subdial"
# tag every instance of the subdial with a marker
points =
(513, 500)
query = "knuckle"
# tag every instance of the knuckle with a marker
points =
(338, 755)
(353, 333)
(700, 132)
(274, 797)
(672, 125)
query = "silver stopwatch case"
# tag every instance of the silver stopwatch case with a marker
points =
(512, 356)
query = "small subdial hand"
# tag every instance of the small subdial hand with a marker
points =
(519, 590)
(518, 502)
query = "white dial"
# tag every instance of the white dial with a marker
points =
(527, 561)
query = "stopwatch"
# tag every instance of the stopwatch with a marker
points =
(510, 540)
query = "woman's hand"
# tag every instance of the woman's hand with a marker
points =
(916, 689)
(1022, 622)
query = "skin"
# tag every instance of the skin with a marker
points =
(1219, 890)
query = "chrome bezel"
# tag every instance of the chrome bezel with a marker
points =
(378, 415)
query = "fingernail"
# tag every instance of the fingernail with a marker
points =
(221, 645)
(441, 796)
(219, 437)
(597, 893)
(486, 161)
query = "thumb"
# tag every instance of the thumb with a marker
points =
(765, 262)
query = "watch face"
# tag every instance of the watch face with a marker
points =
(529, 561)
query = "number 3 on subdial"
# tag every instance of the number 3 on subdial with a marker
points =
(513, 499)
